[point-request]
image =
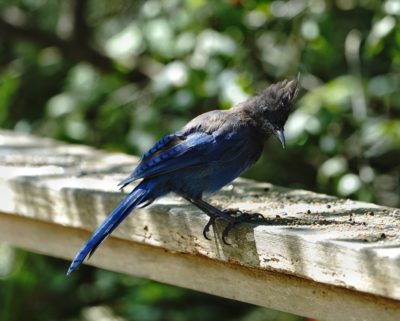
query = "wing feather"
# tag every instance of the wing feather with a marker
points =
(187, 152)
(193, 146)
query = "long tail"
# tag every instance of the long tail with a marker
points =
(141, 194)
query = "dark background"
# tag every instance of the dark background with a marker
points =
(120, 74)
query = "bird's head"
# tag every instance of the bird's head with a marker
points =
(274, 105)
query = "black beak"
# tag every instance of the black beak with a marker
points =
(281, 137)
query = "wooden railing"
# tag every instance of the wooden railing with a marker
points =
(318, 256)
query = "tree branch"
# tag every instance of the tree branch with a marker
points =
(81, 31)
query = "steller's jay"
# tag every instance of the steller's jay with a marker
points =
(208, 153)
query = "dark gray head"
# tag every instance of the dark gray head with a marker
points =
(273, 105)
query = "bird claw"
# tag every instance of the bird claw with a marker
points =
(234, 218)
(206, 229)
(225, 233)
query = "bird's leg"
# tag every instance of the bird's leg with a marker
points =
(233, 217)
(213, 212)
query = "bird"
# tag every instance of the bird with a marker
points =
(209, 152)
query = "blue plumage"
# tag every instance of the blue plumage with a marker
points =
(209, 152)
(160, 144)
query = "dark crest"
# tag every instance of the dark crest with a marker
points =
(281, 95)
(278, 100)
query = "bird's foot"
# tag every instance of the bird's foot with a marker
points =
(233, 218)
(243, 216)
(238, 217)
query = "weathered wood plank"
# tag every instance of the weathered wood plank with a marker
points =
(317, 237)
(261, 287)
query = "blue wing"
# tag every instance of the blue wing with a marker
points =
(186, 151)
(177, 151)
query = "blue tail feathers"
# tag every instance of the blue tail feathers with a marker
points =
(139, 195)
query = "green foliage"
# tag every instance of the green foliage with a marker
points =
(121, 74)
